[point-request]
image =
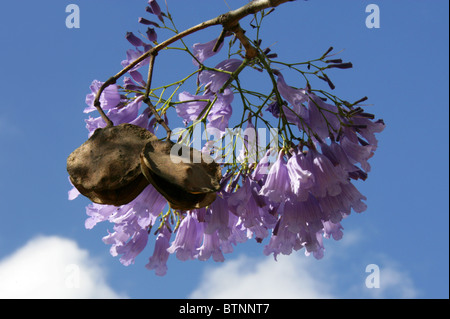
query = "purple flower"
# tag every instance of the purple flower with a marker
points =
(131, 222)
(314, 244)
(292, 95)
(217, 218)
(283, 242)
(188, 238)
(322, 117)
(147, 22)
(370, 129)
(151, 34)
(194, 105)
(155, 9)
(328, 179)
(126, 114)
(214, 80)
(357, 149)
(351, 197)
(158, 261)
(132, 55)
(296, 112)
(134, 40)
(221, 111)
(332, 230)
(129, 84)
(191, 109)
(303, 216)
(98, 213)
(301, 179)
(356, 152)
(203, 51)
(250, 207)
(263, 167)
(133, 247)
(274, 108)
(211, 247)
(336, 154)
(339, 206)
(277, 184)
(109, 98)
(239, 234)
(73, 192)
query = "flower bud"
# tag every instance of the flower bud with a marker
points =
(151, 35)
(134, 40)
(148, 22)
(346, 65)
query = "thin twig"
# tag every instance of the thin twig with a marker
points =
(147, 93)
(150, 74)
(158, 118)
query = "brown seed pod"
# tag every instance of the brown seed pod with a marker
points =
(106, 168)
(187, 178)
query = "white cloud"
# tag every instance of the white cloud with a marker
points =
(340, 274)
(52, 267)
(253, 278)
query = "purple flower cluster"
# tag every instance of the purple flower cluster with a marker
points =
(216, 105)
(294, 202)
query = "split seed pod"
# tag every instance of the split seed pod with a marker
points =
(186, 177)
(106, 168)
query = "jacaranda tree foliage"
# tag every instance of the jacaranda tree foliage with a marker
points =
(279, 171)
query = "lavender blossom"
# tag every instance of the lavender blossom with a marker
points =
(296, 112)
(131, 222)
(328, 179)
(214, 80)
(109, 98)
(203, 51)
(188, 238)
(219, 114)
(132, 55)
(211, 247)
(274, 108)
(277, 185)
(322, 117)
(126, 114)
(221, 111)
(217, 218)
(158, 261)
(301, 179)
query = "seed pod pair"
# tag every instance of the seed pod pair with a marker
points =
(116, 163)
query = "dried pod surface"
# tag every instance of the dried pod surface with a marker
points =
(187, 178)
(106, 168)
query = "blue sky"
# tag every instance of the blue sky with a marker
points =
(402, 67)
